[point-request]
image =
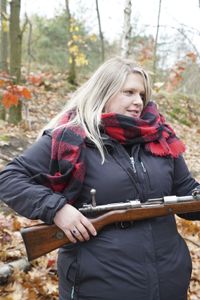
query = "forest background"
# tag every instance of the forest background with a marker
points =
(46, 53)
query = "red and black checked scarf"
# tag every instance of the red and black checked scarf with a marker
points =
(67, 167)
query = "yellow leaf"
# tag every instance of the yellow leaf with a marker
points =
(73, 49)
(76, 37)
(93, 38)
(5, 25)
(81, 60)
(2, 82)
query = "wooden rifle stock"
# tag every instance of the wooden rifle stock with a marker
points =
(41, 239)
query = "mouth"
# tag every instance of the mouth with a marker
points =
(134, 113)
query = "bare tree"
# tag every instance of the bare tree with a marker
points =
(29, 42)
(100, 32)
(3, 47)
(126, 35)
(4, 37)
(15, 114)
(190, 42)
(71, 57)
(156, 42)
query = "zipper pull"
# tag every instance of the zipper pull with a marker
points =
(72, 293)
(143, 167)
(133, 164)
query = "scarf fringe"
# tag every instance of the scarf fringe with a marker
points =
(174, 149)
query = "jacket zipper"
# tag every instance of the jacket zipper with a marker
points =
(143, 167)
(133, 164)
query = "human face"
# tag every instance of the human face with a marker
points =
(129, 101)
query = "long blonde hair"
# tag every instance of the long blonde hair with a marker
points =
(89, 100)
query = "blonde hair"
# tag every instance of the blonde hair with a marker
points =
(89, 100)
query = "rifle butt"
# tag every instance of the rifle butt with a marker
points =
(41, 239)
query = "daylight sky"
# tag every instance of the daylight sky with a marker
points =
(174, 13)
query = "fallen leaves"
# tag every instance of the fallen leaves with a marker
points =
(191, 233)
(40, 281)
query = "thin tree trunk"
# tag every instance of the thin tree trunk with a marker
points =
(4, 48)
(71, 58)
(15, 113)
(4, 37)
(68, 15)
(29, 52)
(126, 36)
(100, 32)
(156, 42)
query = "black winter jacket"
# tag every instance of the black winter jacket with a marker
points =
(146, 261)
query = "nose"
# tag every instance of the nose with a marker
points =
(137, 99)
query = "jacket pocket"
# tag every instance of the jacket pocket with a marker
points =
(67, 273)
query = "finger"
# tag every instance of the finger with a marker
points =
(77, 234)
(88, 225)
(83, 231)
(70, 236)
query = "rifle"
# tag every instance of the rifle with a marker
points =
(42, 238)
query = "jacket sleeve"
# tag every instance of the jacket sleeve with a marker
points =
(184, 184)
(19, 190)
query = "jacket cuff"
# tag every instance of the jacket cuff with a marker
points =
(54, 204)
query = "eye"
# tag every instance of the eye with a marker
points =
(127, 92)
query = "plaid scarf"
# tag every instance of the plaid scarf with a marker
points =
(150, 129)
(67, 167)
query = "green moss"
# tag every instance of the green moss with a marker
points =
(4, 138)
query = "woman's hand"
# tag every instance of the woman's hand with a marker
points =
(74, 224)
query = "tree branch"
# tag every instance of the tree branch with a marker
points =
(156, 42)
(100, 31)
(191, 241)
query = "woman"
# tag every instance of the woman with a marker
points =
(110, 137)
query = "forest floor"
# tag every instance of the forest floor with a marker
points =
(20, 280)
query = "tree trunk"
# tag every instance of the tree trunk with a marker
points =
(15, 40)
(126, 36)
(4, 48)
(15, 113)
(2, 112)
(71, 58)
(156, 43)
(4, 37)
(6, 270)
(100, 32)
